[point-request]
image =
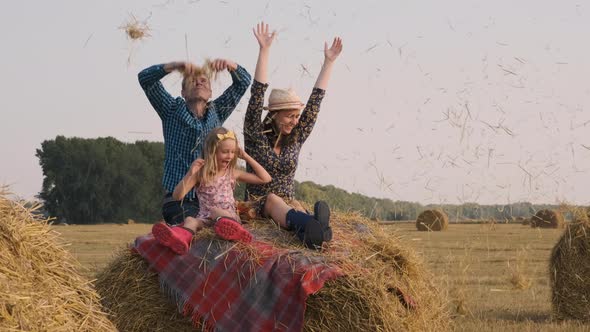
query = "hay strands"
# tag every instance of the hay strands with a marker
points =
(136, 30)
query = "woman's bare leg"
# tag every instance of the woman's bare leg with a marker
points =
(277, 209)
(297, 205)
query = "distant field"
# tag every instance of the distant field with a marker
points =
(473, 266)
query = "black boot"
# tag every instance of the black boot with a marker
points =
(321, 212)
(308, 229)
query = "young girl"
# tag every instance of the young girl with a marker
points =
(214, 180)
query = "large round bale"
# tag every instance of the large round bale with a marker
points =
(569, 271)
(385, 286)
(432, 220)
(132, 293)
(523, 221)
(40, 287)
(548, 219)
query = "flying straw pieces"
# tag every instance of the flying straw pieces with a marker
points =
(548, 219)
(136, 30)
(385, 286)
(40, 287)
(569, 271)
(432, 220)
(192, 72)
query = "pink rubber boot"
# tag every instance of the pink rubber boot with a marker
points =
(178, 239)
(229, 229)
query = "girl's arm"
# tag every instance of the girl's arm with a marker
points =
(189, 181)
(330, 56)
(261, 176)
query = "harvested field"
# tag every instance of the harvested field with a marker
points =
(473, 264)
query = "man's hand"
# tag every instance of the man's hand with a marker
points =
(186, 68)
(223, 64)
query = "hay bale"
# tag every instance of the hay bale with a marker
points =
(132, 294)
(569, 271)
(548, 219)
(246, 210)
(40, 287)
(432, 220)
(377, 266)
(523, 221)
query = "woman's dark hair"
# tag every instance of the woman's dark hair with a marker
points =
(272, 132)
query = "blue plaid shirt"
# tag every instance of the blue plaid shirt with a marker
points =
(184, 134)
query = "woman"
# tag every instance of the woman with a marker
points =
(276, 142)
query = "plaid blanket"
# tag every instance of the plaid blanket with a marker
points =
(261, 288)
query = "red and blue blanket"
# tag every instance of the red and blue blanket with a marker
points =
(238, 287)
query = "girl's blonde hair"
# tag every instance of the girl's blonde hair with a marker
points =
(209, 169)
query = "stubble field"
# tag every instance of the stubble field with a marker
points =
(495, 276)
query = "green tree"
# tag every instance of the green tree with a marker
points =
(101, 180)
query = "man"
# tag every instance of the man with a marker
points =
(187, 120)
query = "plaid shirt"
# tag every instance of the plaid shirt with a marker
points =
(184, 134)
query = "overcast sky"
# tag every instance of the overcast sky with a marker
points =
(430, 101)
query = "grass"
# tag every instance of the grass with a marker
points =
(494, 276)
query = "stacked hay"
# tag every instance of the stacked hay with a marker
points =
(40, 288)
(569, 272)
(370, 297)
(432, 220)
(548, 219)
(523, 221)
(132, 293)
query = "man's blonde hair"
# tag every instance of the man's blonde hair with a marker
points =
(205, 70)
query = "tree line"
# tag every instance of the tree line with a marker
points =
(103, 180)
(386, 209)
(90, 181)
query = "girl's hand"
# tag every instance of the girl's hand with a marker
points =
(334, 51)
(196, 165)
(263, 36)
(242, 154)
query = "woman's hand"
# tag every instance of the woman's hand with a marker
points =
(263, 36)
(334, 51)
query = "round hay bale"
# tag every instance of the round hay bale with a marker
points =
(379, 271)
(569, 272)
(523, 221)
(548, 219)
(432, 220)
(132, 294)
(40, 287)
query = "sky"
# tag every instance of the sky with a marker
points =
(430, 101)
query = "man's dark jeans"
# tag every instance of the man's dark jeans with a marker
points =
(174, 212)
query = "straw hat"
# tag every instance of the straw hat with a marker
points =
(281, 99)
